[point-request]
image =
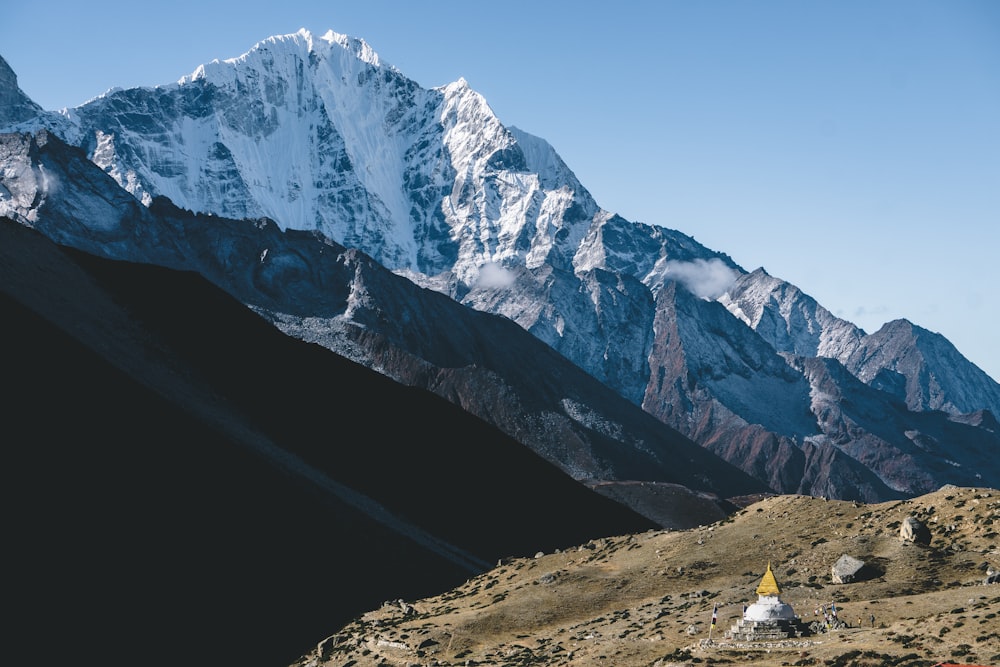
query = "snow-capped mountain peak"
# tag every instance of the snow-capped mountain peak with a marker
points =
(355, 45)
(322, 134)
(15, 106)
(319, 134)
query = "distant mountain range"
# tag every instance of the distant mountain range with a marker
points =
(317, 134)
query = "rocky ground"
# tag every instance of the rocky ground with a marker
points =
(647, 599)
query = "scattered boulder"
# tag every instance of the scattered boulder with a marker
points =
(847, 569)
(400, 604)
(913, 530)
(992, 576)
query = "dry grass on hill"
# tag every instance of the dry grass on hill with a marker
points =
(647, 599)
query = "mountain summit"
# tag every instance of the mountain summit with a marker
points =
(15, 106)
(319, 135)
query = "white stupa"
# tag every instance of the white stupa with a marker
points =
(768, 617)
(769, 606)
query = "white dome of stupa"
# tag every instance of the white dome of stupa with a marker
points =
(769, 606)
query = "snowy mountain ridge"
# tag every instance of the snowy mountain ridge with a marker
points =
(321, 135)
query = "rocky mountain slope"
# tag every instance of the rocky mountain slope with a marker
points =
(318, 134)
(188, 484)
(346, 302)
(648, 599)
(901, 358)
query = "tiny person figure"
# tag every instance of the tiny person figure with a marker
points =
(872, 619)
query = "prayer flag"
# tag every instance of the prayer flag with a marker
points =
(715, 614)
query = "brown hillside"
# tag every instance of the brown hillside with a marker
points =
(647, 599)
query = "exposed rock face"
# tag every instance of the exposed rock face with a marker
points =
(919, 367)
(923, 369)
(847, 569)
(15, 106)
(913, 530)
(788, 319)
(719, 381)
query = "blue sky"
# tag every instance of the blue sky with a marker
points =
(851, 148)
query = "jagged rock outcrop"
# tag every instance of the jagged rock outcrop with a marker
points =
(788, 319)
(924, 370)
(919, 367)
(721, 382)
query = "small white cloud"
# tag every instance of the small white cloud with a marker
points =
(493, 276)
(862, 312)
(708, 279)
(49, 181)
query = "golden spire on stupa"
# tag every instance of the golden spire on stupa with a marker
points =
(768, 584)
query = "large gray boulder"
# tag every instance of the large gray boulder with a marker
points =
(847, 569)
(913, 530)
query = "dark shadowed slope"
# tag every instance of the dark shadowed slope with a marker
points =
(158, 437)
(321, 292)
